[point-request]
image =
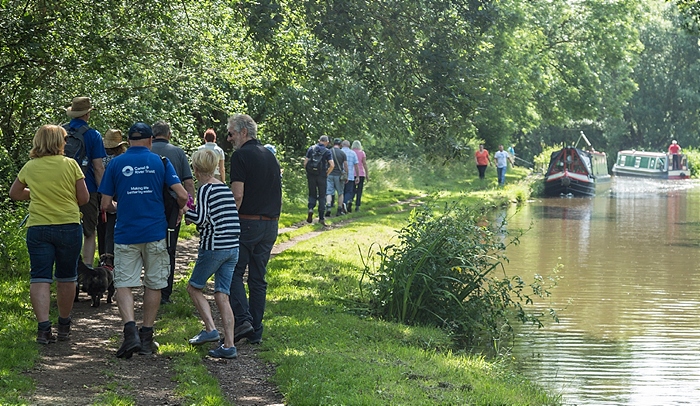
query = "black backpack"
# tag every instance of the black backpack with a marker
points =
(172, 209)
(75, 145)
(315, 164)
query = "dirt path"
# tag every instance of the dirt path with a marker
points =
(78, 371)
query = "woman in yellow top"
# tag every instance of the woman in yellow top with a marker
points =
(55, 187)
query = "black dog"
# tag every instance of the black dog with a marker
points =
(97, 281)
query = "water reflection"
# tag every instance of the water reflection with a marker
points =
(628, 302)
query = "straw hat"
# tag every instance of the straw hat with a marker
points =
(113, 139)
(79, 107)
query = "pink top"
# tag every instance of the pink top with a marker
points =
(361, 161)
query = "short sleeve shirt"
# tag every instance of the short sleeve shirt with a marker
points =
(136, 178)
(501, 159)
(352, 161)
(51, 180)
(482, 157)
(94, 148)
(339, 158)
(219, 152)
(259, 170)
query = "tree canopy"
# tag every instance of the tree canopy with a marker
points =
(431, 77)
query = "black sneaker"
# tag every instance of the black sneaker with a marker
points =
(242, 331)
(328, 213)
(148, 345)
(131, 344)
(310, 216)
(349, 207)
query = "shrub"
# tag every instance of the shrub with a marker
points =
(447, 271)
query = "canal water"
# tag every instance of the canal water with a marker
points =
(628, 298)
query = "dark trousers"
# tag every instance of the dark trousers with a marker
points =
(171, 238)
(105, 232)
(358, 191)
(256, 241)
(349, 192)
(317, 193)
(482, 171)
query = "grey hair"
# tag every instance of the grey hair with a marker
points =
(241, 121)
(346, 143)
(161, 128)
(324, 138)
(357, 145)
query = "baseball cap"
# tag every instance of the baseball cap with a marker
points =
(140, 131)
(337, 141)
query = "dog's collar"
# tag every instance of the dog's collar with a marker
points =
(110, 267)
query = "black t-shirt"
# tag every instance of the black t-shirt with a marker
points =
(259, 171)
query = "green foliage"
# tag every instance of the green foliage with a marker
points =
(444, 272)
(693, 155)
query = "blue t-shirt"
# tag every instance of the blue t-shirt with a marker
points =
(135, 178)
(94, 148)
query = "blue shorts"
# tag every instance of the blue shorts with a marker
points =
(215, 262)
(333, 184)
(60, 244)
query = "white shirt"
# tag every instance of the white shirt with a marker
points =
(501, 159)
(220, 152)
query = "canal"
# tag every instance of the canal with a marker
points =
(628, 298)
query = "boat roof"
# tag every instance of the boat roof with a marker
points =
(641, 153)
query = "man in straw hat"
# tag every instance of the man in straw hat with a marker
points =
(79, 111)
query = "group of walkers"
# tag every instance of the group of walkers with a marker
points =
(125, 188)
(336, 173)
(501, 157)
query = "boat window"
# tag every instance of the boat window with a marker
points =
(652, 163)
(629, 161)
(644, 163)
(637, 161)
(661, 164)
(621, 160)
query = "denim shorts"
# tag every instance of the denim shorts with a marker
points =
(220, 263)
(129, 259)
(333, 184)
(60, 244)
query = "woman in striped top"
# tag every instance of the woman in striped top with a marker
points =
(216, 218)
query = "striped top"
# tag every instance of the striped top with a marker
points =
(216, 217)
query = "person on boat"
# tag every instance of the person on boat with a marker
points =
(675, 150)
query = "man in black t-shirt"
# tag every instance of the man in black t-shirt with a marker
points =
(257, 188)
(317, 181)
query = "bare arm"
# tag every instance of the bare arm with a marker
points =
(238, 189)
(181, 194)
(19, 191)
(188, 184)
(99, 169)
(81, 192)
(222, 172)
(331, 165)
(364, 165)
(107, 204)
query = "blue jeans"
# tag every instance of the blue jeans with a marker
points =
(502, 175)
(256, 241)
(220, 263)
(60, 244)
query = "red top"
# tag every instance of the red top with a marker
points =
(482, 157)
(674, 149)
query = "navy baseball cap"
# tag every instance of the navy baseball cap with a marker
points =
(140, 131)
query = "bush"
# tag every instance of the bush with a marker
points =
(447, 271)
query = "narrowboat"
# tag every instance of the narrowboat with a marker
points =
(656, 165)
(577, 172)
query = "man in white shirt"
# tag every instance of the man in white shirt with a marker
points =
(501, 157)
(210, 143)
